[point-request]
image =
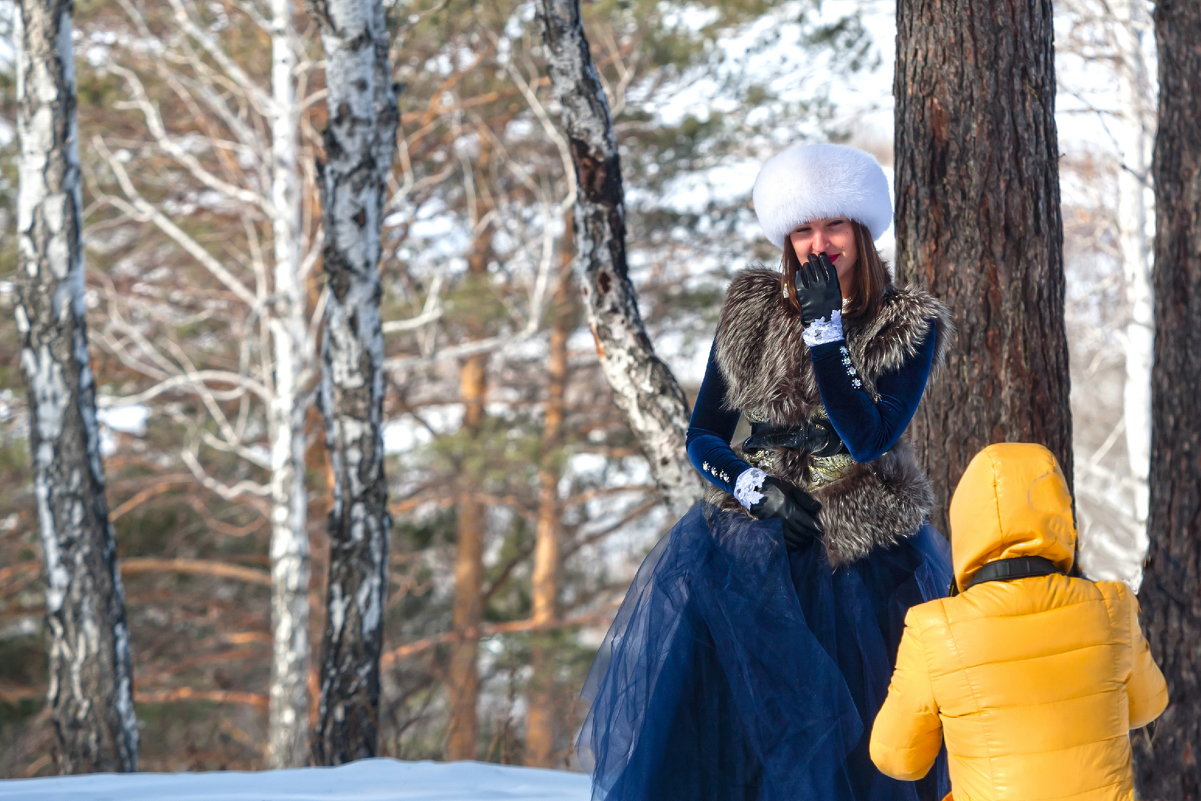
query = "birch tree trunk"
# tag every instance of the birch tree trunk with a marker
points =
(359, 144)
(642, 384)
(548, 545)
(90, 673)
(1135, 230)
(1168, 765)
(288, 721)
(1117, 38)
(978, 223)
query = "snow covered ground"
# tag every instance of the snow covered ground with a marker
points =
(366, 780)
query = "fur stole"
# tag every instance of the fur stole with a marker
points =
(770, 377)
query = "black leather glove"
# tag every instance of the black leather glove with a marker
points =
(795, 507)
(817, 289)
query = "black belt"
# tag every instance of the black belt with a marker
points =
(1015, 568)
(817, 436)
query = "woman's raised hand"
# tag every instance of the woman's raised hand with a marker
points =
(818, 290)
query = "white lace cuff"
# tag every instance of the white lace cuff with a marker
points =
(746, 489)
(821, 331)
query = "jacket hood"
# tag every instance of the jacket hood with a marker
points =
(1011, 501)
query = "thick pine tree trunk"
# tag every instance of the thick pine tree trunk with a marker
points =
(1169, 763)
(978, 223)
(288, 718)
(359, 144)
(542, 713)
(91, 676)
(642, 385)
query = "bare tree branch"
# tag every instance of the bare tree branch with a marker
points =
(142, 209)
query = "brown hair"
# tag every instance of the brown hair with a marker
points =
(866, 292)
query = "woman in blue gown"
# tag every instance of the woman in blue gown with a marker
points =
(756, 643)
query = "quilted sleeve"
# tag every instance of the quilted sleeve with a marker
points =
(1146, 688)
(907, 733)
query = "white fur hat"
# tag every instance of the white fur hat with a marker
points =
(809, 182)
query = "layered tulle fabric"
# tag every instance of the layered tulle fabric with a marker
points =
(740, 670)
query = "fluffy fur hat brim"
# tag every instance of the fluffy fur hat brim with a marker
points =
(810, 182)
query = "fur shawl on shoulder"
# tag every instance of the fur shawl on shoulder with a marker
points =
(770, 378)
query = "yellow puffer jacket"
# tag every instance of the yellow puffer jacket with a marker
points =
(1034, 682)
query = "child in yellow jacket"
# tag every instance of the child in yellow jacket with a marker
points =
(1034, 678)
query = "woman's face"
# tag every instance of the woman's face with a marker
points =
(834, 236)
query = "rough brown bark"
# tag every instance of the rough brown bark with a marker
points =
(642, 384)
(978, 223)
(1168, 755)
(90, 692)
(540, 721)
(359, 144)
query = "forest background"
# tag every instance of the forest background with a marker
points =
(499, 423)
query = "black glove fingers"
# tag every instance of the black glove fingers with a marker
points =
(774, 501)
(793, 507)
(797, 534)
(805, 501)
(804, 275)
(816, 274)
(805, 519)
(828, 271)
(815, 266)
(809, 522)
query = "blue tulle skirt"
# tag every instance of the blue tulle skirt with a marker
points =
(739, 670)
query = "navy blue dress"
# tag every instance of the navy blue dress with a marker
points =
(741, 670)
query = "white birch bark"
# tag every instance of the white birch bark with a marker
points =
(288, 727)
(642, 384)
(359, 144)
(1134, 39)
(90, 673)
(1118, 38)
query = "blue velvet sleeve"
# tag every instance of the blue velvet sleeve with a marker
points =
(870, 427)
(711, 429)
